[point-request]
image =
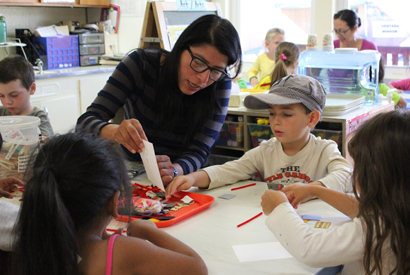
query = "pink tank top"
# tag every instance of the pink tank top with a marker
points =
(109, 254)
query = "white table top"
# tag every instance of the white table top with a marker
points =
(212, 232)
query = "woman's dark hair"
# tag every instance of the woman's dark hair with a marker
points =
(381, 152)
(210, 30)
(349, 16)
(290, 52)
(70, 182)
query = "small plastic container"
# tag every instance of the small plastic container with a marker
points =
(91, 49)
(19, 140)
(88, 60)
(91, 38)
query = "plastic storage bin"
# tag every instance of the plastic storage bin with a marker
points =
(337, 136)
(62, 51)
(344, 72)
(19, 138)
(90, 49)
(231, 134)
(259, 133)
(91, 38)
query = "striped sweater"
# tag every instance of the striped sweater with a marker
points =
(132, 86)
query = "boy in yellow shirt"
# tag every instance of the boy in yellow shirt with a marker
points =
(264, 63)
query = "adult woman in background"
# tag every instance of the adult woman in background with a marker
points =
(177, 100)
(345, 25)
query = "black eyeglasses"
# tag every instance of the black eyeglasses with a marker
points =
(341, 32)
(200, 66)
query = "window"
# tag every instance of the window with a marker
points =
(385, 23)
(258, 16)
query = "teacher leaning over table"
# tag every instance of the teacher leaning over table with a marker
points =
(177, 100)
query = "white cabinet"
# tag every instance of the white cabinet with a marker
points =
(89, 86)
(66, 98)
(59, 96)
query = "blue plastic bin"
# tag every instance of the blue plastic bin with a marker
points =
(62, 51)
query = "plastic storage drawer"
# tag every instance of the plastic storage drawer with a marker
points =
(91, 38)
(92, 49)
(231, 134)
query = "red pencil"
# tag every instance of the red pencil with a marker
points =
(252, 184)
(239, 225)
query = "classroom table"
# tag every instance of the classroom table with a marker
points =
(213, 231)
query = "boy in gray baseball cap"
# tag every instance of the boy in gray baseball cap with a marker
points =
(293, 156)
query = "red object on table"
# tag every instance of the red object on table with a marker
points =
(201, 202)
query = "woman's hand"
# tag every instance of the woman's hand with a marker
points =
(165, 169)
(271, 199)
(298, 193)
(7, 185)
(130, 134)
(179, 184)
(139, 228)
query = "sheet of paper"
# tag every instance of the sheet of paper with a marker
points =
(52, 30)
(260, 252)
(150, 164)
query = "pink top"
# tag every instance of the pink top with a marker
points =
(366, 45)
(109, 254)
(401, 84)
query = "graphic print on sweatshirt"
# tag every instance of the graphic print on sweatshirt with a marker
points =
(287, 176)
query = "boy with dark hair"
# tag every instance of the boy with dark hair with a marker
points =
(17, 84)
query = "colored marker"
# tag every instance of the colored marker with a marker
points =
(252, 184)
(245, 222)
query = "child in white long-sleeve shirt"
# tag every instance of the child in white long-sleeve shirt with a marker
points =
(377, 240)
(294, 155)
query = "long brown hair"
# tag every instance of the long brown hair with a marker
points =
(286, 54)
(381, 154)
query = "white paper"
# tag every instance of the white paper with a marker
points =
(260, 252)
(150, 164)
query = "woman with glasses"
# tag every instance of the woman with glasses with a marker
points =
(176, 100)
(345, 24)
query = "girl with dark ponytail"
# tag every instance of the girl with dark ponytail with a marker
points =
(73, 188)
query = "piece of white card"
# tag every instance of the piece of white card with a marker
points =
(260, 252)
(150, 164)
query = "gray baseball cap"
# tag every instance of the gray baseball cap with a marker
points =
(291, 89)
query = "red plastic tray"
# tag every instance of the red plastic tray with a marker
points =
(202, 202)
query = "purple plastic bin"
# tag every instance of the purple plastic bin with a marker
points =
(62, 51)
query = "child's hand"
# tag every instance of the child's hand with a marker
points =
(139, 228)
(254, 82)
(271, 199)
(178, 184)
(297, 193)
(7, 185)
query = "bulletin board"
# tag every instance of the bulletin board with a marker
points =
(164, 22)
